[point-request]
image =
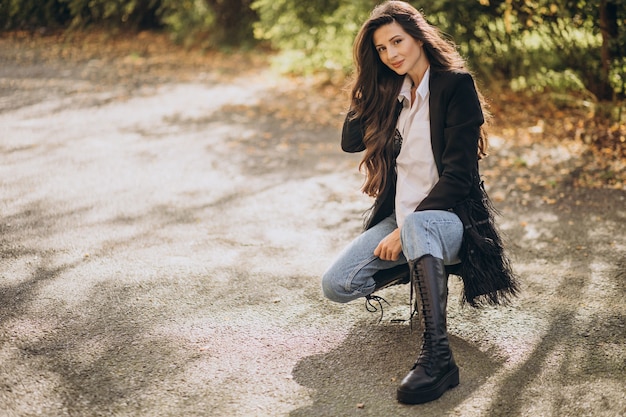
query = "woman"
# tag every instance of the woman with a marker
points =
(417, 115)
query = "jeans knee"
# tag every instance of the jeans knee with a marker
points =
(436, 233)
(332, 289)
(416, 221)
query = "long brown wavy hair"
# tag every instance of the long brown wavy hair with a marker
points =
(375, 88)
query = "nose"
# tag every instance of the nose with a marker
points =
(391, 53)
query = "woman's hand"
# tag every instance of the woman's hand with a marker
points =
(390, 247)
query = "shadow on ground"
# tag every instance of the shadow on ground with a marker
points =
(367, 367)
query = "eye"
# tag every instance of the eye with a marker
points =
(380, 49)
(397, 41)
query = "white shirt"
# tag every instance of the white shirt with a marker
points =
(415, 165)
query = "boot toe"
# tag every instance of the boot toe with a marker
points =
(418, 387)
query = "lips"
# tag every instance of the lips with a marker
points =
(397, 64)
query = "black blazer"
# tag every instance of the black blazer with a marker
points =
(455, 120)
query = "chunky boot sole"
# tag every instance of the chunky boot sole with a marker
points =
(450, 380)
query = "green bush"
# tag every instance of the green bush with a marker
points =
(19, 14)
(502, 39)
(188, 20)
(311, 37)
(115, 13)
(211, 22)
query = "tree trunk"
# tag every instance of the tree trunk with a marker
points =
(609, 31)
(234, 19)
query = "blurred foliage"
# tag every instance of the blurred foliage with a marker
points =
(312, 36)
(188, 21)
(576, 46)
(213, 23)
(17, 14)
(545, 44)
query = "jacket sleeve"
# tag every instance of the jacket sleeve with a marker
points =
(459, 157)
(352, 134)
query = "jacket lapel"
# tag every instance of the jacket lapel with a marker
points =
(437, 116)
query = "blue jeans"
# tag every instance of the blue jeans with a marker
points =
(434, 232)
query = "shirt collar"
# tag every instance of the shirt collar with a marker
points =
(422, 89)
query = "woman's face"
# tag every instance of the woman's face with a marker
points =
(400, 51)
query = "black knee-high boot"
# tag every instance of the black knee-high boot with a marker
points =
(435, 370)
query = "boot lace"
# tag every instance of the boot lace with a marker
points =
(426, 356)
(372, 308)
(369, 306)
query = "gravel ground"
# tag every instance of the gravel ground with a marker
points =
(163, 234)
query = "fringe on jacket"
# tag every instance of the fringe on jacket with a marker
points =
(485, 269)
